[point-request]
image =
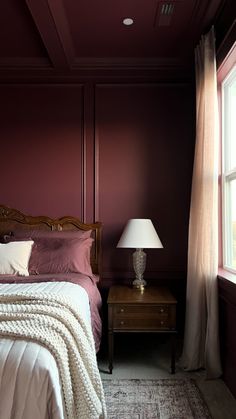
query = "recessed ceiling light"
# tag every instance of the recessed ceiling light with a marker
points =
(128, 21)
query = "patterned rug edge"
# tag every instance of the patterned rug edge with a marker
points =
(155, 399)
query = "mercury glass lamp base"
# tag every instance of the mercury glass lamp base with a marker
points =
(139, 263)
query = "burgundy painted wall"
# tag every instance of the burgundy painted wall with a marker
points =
(41, 149)
(144, 134)
(106, 152)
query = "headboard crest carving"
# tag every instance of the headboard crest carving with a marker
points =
(57, 227)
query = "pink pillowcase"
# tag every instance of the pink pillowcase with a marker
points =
(61, 256)
(58, 251)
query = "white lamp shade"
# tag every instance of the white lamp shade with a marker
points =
(139, 233)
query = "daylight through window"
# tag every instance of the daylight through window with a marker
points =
(229, 169)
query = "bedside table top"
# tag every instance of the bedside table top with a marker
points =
(151, 295)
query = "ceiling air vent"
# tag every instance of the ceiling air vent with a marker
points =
(167, 9)
(165, 13)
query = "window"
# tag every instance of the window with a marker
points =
(229, 169)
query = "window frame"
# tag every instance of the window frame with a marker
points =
(228, 175)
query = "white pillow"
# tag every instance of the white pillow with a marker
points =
(14, 257)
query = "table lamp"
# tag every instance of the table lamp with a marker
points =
(139, 233)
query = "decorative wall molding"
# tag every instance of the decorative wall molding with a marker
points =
(17, 63)
(46, 74)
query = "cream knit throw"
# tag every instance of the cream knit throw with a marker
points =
(56, 323)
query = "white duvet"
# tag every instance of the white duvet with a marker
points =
(29, 378)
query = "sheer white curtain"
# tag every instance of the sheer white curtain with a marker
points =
(201, 340)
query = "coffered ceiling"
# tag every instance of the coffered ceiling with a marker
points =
(65, 35)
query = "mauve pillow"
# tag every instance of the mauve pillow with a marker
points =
(61, 255)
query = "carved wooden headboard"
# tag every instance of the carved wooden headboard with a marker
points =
(12, 219)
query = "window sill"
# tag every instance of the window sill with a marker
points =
(227, 287)
(227, 275)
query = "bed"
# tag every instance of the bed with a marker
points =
(50, 326)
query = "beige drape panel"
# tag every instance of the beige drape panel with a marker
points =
(201, 343)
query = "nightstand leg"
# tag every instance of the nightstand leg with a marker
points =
(110, 350)
(173, 346)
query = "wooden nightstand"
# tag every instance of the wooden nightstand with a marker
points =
(130, 310)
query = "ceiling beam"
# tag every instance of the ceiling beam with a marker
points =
(63, 30)
(50, 20)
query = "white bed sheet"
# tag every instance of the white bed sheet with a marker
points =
(29, 379)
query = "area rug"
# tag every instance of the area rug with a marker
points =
(154, 399)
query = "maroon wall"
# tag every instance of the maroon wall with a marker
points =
(105, 152)
(41, 149)
(144, 135)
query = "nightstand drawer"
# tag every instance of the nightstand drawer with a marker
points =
(141, 323)
(156, 311)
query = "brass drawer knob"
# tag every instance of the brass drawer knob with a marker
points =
(122, 310)
(122, 323)
(162, 310)
(162, 323)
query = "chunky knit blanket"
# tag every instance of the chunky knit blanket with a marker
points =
(55, 322)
